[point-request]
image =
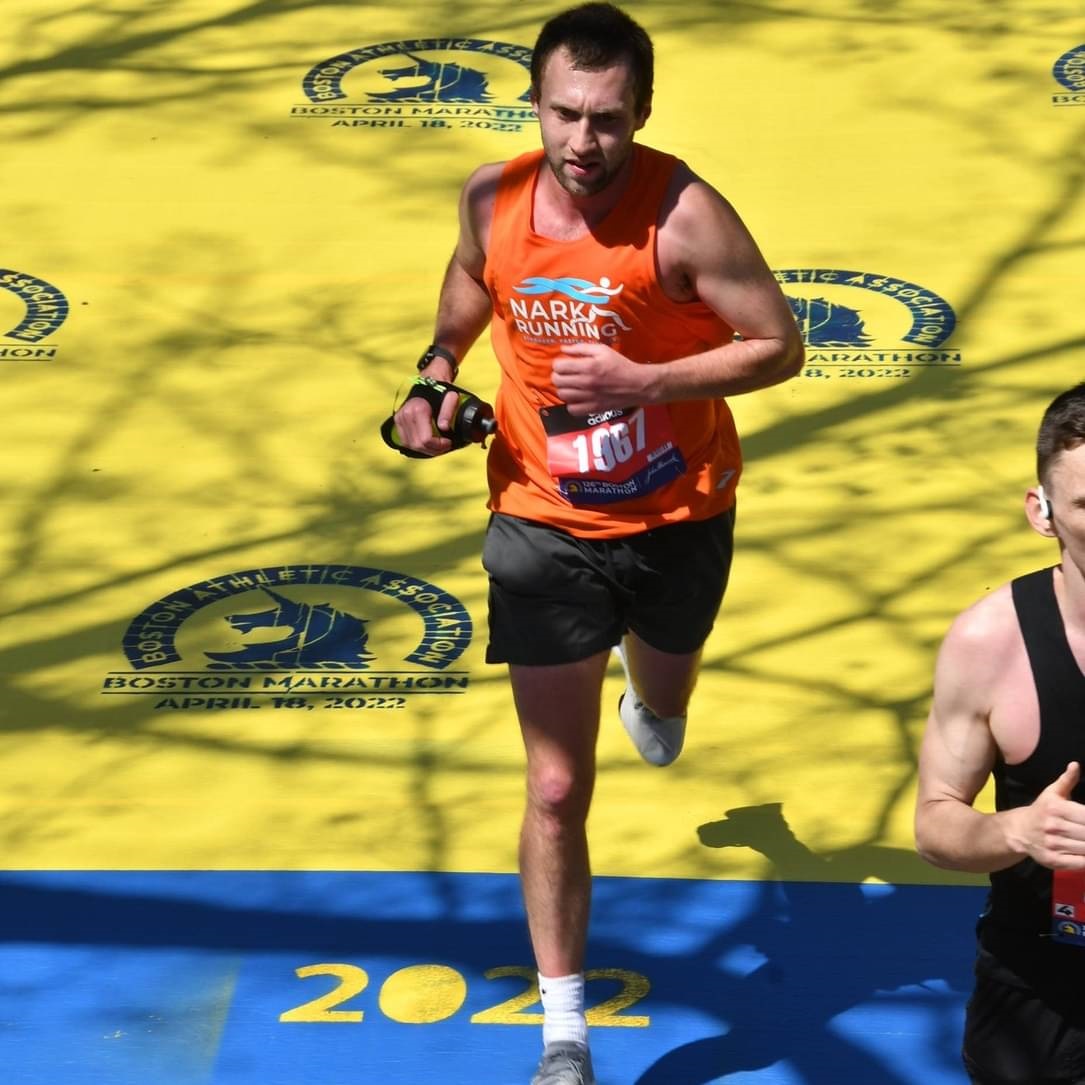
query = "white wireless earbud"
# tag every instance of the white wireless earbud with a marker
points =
(1045, 505)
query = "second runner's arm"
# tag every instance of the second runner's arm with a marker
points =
(959, 751)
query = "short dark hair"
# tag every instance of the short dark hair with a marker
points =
(1062, 428)
(597, 36)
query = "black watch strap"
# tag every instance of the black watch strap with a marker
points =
(434, 351)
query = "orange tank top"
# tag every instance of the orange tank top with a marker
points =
(621, 472)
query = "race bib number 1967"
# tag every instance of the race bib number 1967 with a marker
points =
(617, 455)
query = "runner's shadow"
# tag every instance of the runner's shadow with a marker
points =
(811, 949)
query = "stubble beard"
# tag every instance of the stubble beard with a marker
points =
(590, 187)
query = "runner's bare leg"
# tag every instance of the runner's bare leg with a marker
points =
(558, 707)
(663, 680)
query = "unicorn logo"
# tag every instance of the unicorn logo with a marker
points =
(446, 82)
(318, 637)
(827, 324)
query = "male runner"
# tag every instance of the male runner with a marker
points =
(625, 299)
(1009, 701)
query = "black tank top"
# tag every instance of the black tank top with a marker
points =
(1015, 929)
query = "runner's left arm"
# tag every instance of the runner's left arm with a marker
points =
(705, 252)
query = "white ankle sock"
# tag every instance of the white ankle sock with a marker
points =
(563, 1009)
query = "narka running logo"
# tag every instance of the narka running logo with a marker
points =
(850, 317)
(423, 83)
(246, 639)
(44, 309)
(1069, 71)
(567, 310)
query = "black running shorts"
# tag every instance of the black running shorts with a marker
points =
(557, 598)
(1012, 1037)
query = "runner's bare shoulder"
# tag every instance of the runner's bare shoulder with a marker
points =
(477, 202)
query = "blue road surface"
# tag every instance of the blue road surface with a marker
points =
(184, 978)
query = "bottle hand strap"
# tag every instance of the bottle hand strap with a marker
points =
(433, 392)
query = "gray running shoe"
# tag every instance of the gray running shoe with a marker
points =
(659, 741)
(565, 1063)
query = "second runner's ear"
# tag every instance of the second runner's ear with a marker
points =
(1039, 513)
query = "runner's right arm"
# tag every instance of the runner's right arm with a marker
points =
(958, 754)
(463, 310)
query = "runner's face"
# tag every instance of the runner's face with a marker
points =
(1066, 494)
(587, 120)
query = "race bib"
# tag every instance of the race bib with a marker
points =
(617, 455)
(1068, 907)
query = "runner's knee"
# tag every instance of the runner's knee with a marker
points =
(560, 795)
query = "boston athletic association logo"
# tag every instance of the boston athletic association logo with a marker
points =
(40, 309)
(423, 83)
(1069, 72)
(856, 323)
(296, 636)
